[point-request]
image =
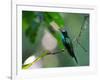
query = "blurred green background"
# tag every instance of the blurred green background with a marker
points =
(38, 36)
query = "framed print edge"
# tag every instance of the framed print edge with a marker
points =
(70, 72)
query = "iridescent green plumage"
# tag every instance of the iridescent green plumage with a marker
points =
(68, 43)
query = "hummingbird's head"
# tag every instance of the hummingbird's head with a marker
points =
(64, 32)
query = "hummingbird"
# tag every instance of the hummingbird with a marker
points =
(68, 44)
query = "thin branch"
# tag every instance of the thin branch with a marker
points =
(78, 37)
(81, 28)
(40, 57)
(81, 46)
(59, 51)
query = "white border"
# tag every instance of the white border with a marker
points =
(69, 72)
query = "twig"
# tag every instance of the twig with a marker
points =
(81, 46)
(62, 50)
(77, 39)
(40, 57)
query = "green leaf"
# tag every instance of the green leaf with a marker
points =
(57, 35)
(57, 18)
(47, 18)
(27, 18)
(53, 16)
(31, 31)
(37, 59)
(26, 66)
(30, 24)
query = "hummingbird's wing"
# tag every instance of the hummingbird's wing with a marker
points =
(69, 46)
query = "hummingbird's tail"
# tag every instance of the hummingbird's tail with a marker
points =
(76, 59)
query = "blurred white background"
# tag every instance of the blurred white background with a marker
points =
(5, 31)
